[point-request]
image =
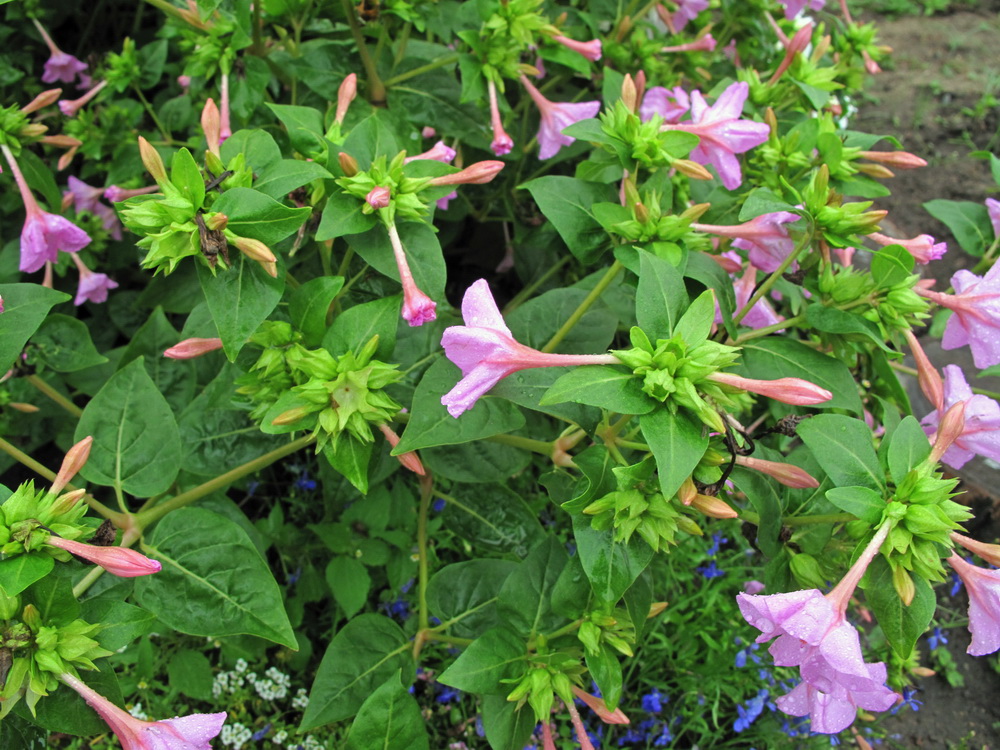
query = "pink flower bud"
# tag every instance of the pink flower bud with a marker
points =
(438, 152)
(713, 507)
(502, 143)
(116, 194)
(599, 707)
(119, 561)
(211, 125)
(950, 428)
(191, 348)
(379, 197)
(787, 474)
(345, 95)
(74, 460)
(989, 552)
(410, 460)
(184, 82)
(897, 159)
(428, 132)
(753, 587)
(591, 50)
(20, 405)
(254, 249)
(71, 107)
(705, 43)
(476, 174)
(152, 161)
(348, 164)
(927, 375)
(787, 390)
(44, 99)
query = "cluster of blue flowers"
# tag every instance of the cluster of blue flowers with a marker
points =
(712, 570)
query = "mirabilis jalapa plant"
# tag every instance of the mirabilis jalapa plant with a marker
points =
(688, 340)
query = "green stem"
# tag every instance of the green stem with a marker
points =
(516, 441)
(258, 42)
(767, 330)
(55, 395)
(345, 262)
(525, 293)
(434, 65)
(455, 641)
(376, 89)
(426, 493)
(580, 311)
(87, 581)
(150, 516)
(751, 517)
(632, 445)
(771, 280)
(152, 115)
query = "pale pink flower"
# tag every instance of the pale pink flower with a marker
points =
(225, 131)
(93, 287)
(794, 7)
(442, 203)
(87, 198)
(922, 247)
(591, 50)
(191, 348)
(723, 134)
(687, 10)
(502, 143)
(984, 605)
(71, 107)
(980, 434)
(670, 104)
(120, 561)
(44, 234)
(61, 66)
(761, 315)
(993, 209)
(486, 352)
(556, 116)
(765, 238)
(438, 152)
(192, 732)
(787, 390)
(976, 318)
(418, 308)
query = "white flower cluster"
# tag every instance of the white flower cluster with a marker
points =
(235, 735)
(275, 687)
(301, 699)
(138, 713)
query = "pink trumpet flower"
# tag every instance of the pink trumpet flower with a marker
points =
(438, 152)
(44, 234)
(591, 50)
(794, 7)
(120, 561)
(502, 143)
(723, 134)
(813, 634)
(984, 605)
(980, 431)
(764, 237)
(556, 116)
(61, 66)
(787, 390)
(989, 552)
(486, 352)
(687, 10)
(993, 209)
(761, 315)
(670, 104)
(93, 287)
(922, 247)
(191, 348)
(418, 308)
(787, 474)
(87, 198)
(71, 107)
(192, 732)
(976, 319)
(702, 44)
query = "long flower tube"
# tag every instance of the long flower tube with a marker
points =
(418, 308)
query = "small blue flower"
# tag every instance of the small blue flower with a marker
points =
(652, 702)
(261, 733)
(936, 638)
(405, 588)
(480, 729)
(711, 570)
(665, 738)
(438, 505)
(447, 694)
(834, 740)
(304, 482)
(956, 584)
(717, 541)
(252, 487)
(909, 699)
(749, 714)
(293, 578)
(399, 609)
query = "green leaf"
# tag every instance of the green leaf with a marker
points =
(601, 385)
(65, 712)
(258, 216)
(25, 307)
(762, 201)
(137, 446)
(480, 462)
(240, 299)
(213, 581)
(351, 458)
(902, 625)
(53, 597)
(696, 323)
(493, 517)
(282, 177)
(968, 221)
(766, 499)
(507, 727)
(343, 215)
(40, 178)
(190, 673)
(389, 719)
(20, 734)
(528, 387)
(611, 566)
(660, 297)
(908, 448)
(122, 622)
(891, 265)
(63, 343)
(566, 202)
(534, 322)
(430, 423)
(607, 673)
(638, 600)
(865, 503)
(423, 253)
(258, 146)
(843, 447)
(832, 320)
(467, 593)
(496, 655)
(772, 358)
(350, 583)
(677, 442)
(174, 378)
(526, 597)
(310, 304)
(371, 137)
(19, 572)
(355, 326)
(366, 652)
(186, 177)
(304, 125)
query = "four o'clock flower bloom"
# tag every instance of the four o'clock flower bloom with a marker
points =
(555, 117)
(192, 732)
(61, 66)
(976, 319)
(980, 432)
(922, 247)
(119, 561)
(765, 237)
(723, 134)
(761, 314)
(43, 234)
(794, 7)
(670, 104)
(93, 287)
(191, 348)
(502, 143)
(486, 352)
(984, 605)
(418, 308)
(787, 390)
(87, 198)
(813, 634)
(70, 107)
(591, 50)
(687, 10)
(993, 209)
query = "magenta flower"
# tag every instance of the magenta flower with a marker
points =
(981, 433)
(44, 234)
(557, 116)
(687, 10)
(984, 605)
(976, 319)
(794, 7)
(418, 308)
(120, 561)
(670, 104)
(61, 66)
(764, 237)
(193, 732)
(502, 143)
(591, 50)
(87, 198)
(723, 134)
(93, 287)
(761, 315)
(813, 634)
(486, 352)
(922, 248)
(993, 209)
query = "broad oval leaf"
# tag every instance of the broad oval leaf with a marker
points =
(25, 307)
(389, 719)
(496, 655)
(464, 595)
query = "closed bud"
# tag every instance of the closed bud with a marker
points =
(807, 572)
(787, 474)
(32, 617)
(66, 502)
(563, 687)
(522, 689)
(119, 561)
(950, 428)
(32, 130)
(44, 99)
(630, 95)
(695, 212)
(688, 526)
(9, 607)
(656, 608)
(290, 417)
(271, 269)
(903, 584)
(479, 173)
(216, 222)
(152, 162)
(22, 407)
(74, 460)
(897, 159)
(692, 169)
(348, 164)
(409, 460)
(921, 672)
(927, 375)
(191, 348)
(378, 197)
(687, 491)
(989, 552)
(772, 121)
(875, 170)
(590, 636)
(713, 507)
(345, 95)
(619, 644)
(254, 249)
(211, 125)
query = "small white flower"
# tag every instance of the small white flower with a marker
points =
(241, 666)
(301, 699)
(138, 713)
